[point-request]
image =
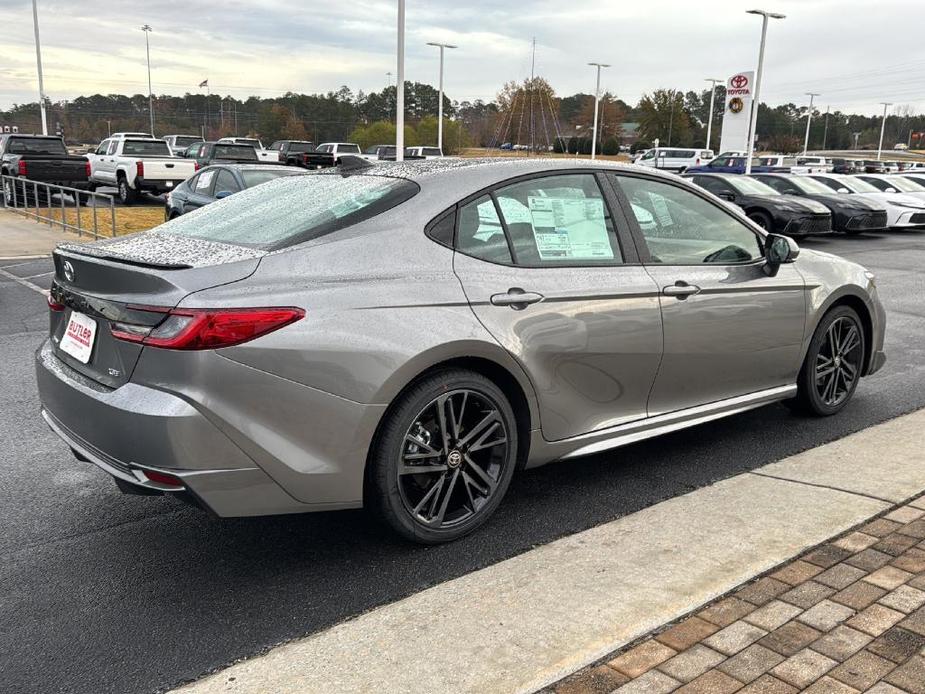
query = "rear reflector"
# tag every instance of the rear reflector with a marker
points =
(163, 478)
(54, 305)
(192, 329)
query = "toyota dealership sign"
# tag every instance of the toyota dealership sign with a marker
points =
(737, 114)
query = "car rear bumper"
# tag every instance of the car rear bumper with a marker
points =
(157, 186)
(131, 429)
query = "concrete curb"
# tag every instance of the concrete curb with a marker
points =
(526, 622)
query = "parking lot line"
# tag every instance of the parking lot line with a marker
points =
(24, 282)
(526, 622)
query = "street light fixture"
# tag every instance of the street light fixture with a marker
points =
(400, 86)
(713, 81)
(147, 28)
(441, 46)
(38, 61)
(809, 119)
(753, 120)
(886, 105)
(597, 101)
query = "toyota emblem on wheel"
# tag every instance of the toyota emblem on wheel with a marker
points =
(68, 271)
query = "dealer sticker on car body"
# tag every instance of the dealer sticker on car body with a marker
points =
(78, 337)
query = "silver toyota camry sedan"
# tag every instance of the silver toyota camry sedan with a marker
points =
(407, 337)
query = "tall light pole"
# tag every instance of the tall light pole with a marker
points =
(713, 81)
(825, 130)
(886, 105)
(671, 116)
(38, 62)
(400, 87)
(753, 120)
(597, 102)
(809, 119)
(147, 29)
(441, 46)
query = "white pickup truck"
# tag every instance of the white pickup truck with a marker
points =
(138, 165)
(269, 155)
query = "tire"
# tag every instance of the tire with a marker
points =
(127, 194)
(469, 476)
(816, 395)
(84, 198)
(762, 220)
(8, 199)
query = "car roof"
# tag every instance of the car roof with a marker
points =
(247, 167)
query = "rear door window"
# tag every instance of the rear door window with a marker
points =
(225, 181)
(559, 220)
(481, 233)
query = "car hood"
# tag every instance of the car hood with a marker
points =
(846, 202)
(785, 203)
(899, 199)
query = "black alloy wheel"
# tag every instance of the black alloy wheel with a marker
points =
(833, 364)
(445, 457)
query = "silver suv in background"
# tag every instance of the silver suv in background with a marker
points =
(408, 337)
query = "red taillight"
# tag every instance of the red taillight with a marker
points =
(140, 169)
(87, 168)
(196, 166)
(163, 478)
(21, 169)
(54, 305)
(207, 329)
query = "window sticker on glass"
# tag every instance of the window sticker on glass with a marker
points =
(660, 207)
(570, 228)
(205, 179)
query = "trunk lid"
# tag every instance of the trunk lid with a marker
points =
(109, 280)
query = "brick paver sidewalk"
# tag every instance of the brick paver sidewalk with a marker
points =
(846, 617)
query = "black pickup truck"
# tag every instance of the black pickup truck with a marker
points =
(39, 158)
(291, 152)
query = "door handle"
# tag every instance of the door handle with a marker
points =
(516, 298)
(681, 290)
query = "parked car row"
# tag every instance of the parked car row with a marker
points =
(801, 205)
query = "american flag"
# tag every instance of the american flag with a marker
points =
(204, 83)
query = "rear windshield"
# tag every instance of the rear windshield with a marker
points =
(185, 140)
(145, 148)
(431, 152)
(348, 149)
(255, 178)
(35, 145)
(239, 152)
(293, 209)
(301, 147)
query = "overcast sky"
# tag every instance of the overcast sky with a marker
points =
(856, 52)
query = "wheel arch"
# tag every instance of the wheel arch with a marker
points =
(859, 305)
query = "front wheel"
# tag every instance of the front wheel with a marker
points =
(444, 457)
(833, 364)
(762, 220)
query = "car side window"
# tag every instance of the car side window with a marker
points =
(778, 184)
(104, 145)
(480, 233)
(113, 146)
(226, 181)
(681, 228)
(556, 220)
(204, 182)
(721, 161)
(714, 185)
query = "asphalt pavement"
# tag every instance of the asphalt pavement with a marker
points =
(105, 593)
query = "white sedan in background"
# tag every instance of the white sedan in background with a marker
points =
(903, 210)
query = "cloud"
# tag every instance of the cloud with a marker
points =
(852, 51)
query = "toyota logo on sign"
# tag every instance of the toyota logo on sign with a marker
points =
(739, 81)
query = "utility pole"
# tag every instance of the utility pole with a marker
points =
(886, 105)
(147, 29)
(671, 117)
(825, 130)
(712, 81)
(597, 101)
(441, 46)
(532, 92)
(400, 86)
(38, 62)
(809, 119)
(753, 121)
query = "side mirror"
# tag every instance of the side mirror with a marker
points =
(223, 194)
(890, 190)
(729, 197)
(843, 190)
(777, 251)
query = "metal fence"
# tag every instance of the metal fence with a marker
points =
(41, 201)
